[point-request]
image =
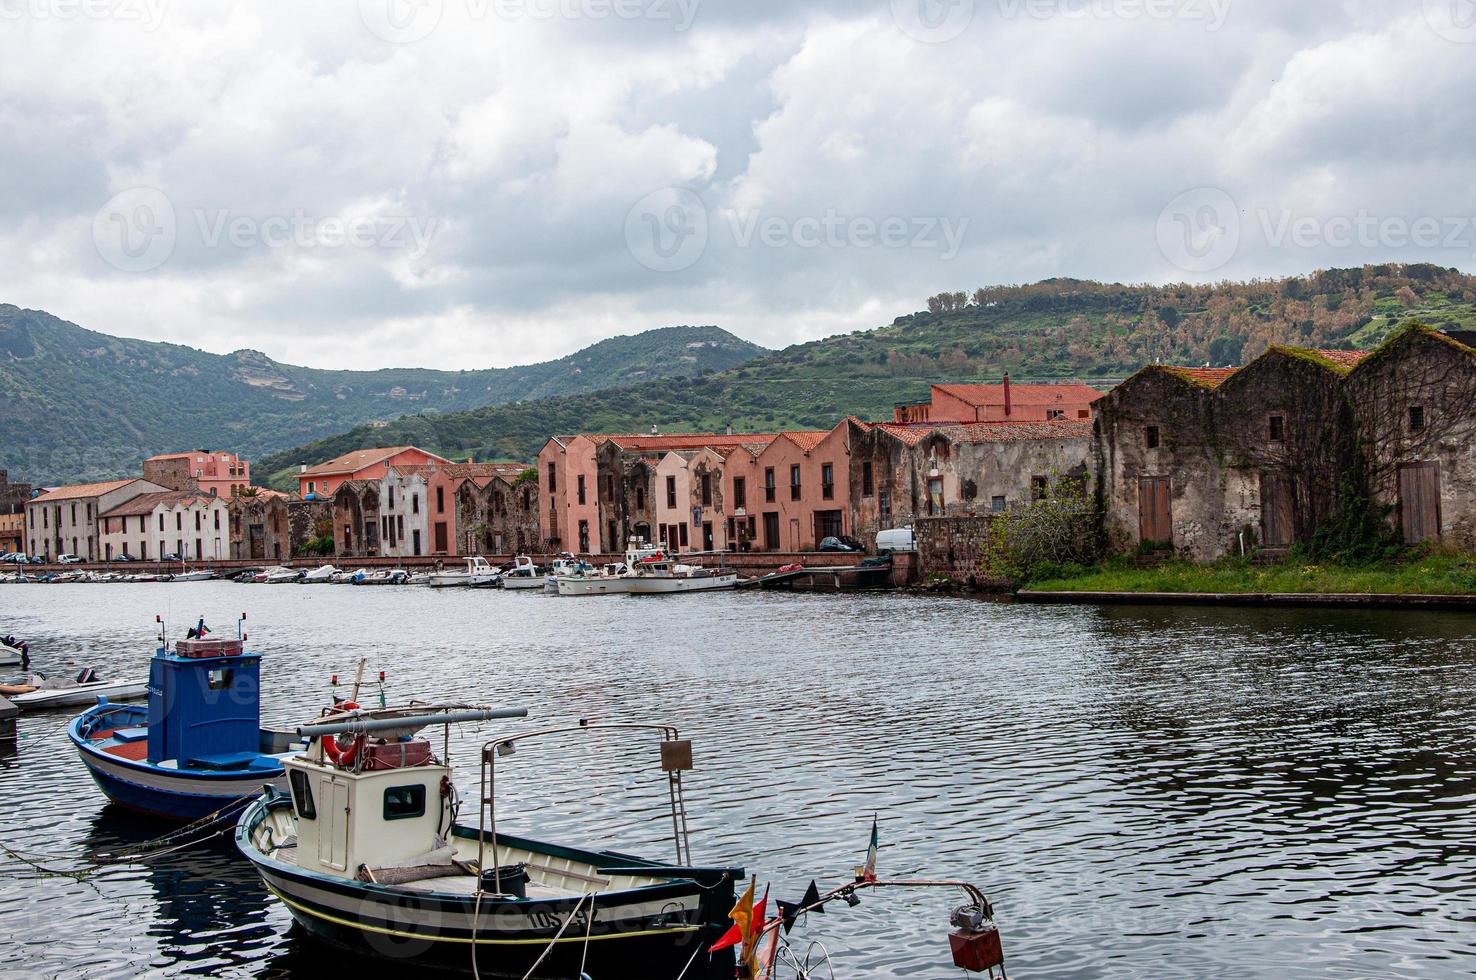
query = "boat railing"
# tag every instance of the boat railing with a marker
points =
(676, 758)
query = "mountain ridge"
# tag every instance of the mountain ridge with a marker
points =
(79, 404)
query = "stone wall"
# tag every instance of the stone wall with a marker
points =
(950, 547)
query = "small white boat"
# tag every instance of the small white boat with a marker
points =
(321, 575)
(418, 578)
(610, 580)
(13, 652)
(565, 564)
(198, 575)
(84, 689)
(384, 576)
(479, 572)
(282, 576)
(523, 575)
(348, 578)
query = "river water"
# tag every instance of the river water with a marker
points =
(1141, 792)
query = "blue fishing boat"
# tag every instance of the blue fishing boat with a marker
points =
(198, 748)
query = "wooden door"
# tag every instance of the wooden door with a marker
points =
(1155, 514)
(771, 532)
(1276, 510)
(442, 537)
(1419, 501)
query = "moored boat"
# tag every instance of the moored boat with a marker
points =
(383, 576)
(478, 572)
(39, 693)
(610, 580)
(13, 652)
(198, 746)
(322, 575)
(523, 575)
(404, 876)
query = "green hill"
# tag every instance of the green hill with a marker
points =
(1051, 330)
(80, 405)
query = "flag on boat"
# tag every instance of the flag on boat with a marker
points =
(753, 934)
(790, 911)
(868, 873)
(741, 915)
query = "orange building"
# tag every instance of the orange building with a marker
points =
(1003, 402)
(221, 474)
(362, 464)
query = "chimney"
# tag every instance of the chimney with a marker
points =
(730, 428)
(1007, 394)
(655, 431)
(302, 467)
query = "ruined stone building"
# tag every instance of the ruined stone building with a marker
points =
(900, 473)
(1212, 462)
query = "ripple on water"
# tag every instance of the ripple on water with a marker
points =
(1142, 792)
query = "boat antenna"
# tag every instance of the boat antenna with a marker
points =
(240, 632)
(160, 620)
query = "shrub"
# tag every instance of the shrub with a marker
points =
(1061, 531)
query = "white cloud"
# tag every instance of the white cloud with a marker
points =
(1050, 144)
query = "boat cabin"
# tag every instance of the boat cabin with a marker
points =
(385, 808)
(205, 705)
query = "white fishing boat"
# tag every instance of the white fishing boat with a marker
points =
(478, 571)
(348, 578)
(660, 573)
(283, 576)
(321, 575)
(198, 575)
(523, 575)
(366, 850)
(610, 580)
(39, 692)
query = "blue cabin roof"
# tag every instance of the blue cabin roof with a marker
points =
(204, 702)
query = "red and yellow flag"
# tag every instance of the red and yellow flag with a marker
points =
(741, 915)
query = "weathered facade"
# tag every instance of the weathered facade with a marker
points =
(13, 498)
(64, 520)
(498, 516)
(174, 525)
(1415, 404)
(900, 474)
(260, 526)
(356, 519)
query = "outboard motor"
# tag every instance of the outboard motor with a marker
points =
(86, 675)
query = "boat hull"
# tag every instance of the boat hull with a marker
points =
(594, 586)
(521, 582)
(161, 792)
(82, 694)
(663, 585)
(654, 933)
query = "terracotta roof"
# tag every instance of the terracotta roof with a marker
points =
(80, 490)
(190, 452)
(987, 432)
(358, 459)
(806, 440)
(1048, 394)
(1204, 377)
(145, 503)
(1343, 358)
(694, 440)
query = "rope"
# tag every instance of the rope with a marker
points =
(560, 934)
(588, 928)
(146, 850)
(695, 953)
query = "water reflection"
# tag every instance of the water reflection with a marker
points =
(1145, 791)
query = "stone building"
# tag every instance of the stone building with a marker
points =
(13, 498)
(260, 526)
(356, 518)
(498, 515)
(1415, 403)
(902, 473)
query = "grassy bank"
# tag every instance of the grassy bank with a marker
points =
(1432, 575)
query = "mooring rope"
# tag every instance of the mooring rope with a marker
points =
(560, 934)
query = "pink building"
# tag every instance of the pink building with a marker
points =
(803, 494)
(221, 474)
(362, 464)
(1002, 403)
(569, 509)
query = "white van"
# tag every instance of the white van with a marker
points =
(896, 539)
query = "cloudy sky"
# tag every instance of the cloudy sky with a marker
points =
(464, 183)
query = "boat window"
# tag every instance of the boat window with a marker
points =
(302, 795)
(404, 802)
(219, 679)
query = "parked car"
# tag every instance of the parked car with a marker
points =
(896, 539)
(172, 557)
(68, 560)
(839, 544)
(125, 556)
